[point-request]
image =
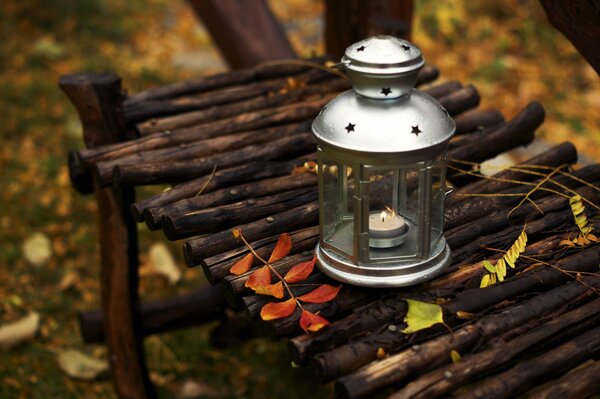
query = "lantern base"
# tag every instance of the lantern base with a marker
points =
(398, 274)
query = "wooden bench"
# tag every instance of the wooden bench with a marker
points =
(227, 144)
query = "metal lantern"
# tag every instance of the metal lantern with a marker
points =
(382, 165)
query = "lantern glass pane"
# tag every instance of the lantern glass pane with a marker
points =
(438, 194)
(337, 218)
(393, 207)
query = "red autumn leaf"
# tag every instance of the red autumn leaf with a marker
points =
(259, 278)
(312, 322)
(282, 248)
(278, 310)
(242, 265)
(323, 293)
(300, 271)
(275, 290)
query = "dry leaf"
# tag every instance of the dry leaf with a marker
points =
(421, 315)
(464, 315)
(37, 249)
(259, 278)
(275, 290)
(162, 262)
(282, 248)
(18, 331)
(278, 310)
(381, 353)
(79, 365)
(323, 293)
(242, 265)
(69, 280)
(312, 322)
(566, 243)
(300, 271)
(236, 233)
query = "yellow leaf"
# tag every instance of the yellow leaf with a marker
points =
(421, 315)
(236, 233)
(455, 356)
(490, 268)
(485, 281)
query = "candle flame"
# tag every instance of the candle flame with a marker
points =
(383, 213)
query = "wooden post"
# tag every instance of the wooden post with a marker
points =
(579, 21)
(246, 32)
(98, 99)
(349, 21)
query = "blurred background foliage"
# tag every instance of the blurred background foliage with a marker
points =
(48, 248)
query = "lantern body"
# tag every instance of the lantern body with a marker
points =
(382, 163)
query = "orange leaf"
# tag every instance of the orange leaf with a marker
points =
(278, 310)
(259, 278)
(312, 322)
(242, 265)
(275, 290)
(323, 293)
(282, 248)
(236, 233)
(300, 271)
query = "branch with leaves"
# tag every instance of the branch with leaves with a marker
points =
(260, 282)
(497, 272)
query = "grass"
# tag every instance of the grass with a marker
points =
(506, 48)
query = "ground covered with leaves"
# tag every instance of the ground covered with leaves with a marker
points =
(48, 241)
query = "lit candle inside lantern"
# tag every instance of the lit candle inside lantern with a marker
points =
(386, 229)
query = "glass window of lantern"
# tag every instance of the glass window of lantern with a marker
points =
(393, 210)
(337, 219)
(438, 195)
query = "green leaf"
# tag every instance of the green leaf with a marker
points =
(422, 315)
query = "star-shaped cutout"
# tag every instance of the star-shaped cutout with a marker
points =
(405, 47)
(416, 130)
(350, 127)
(361, 48)
(386, 90)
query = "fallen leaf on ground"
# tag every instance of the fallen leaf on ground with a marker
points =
(18, 331)
(278, 310)
(163, 263)
(421, 315)
(323, 293)
(79, 365)
(37, 249)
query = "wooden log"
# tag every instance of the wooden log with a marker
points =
(564, 153)
(213, 113)
(222, 178)
(349, 21)
(346, 358)
(193, 308)
(245, 33)
(87, 159)
(477, 119)
(145, 174)
(578, 383)
(464, 212)
(527, 373)
(205, 149)
(217, 81)
(230, 195)
(460, 100)
(217, 267)
(519, 131)
(98, 99)
(435, 383)
(443, 89)
(435, 352)
(225, 216)
(303, 216)
(579, 21)
(158, 108)
(427, 74)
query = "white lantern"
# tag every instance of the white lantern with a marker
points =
(382, 164)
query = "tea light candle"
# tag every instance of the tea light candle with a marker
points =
(383, 226)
